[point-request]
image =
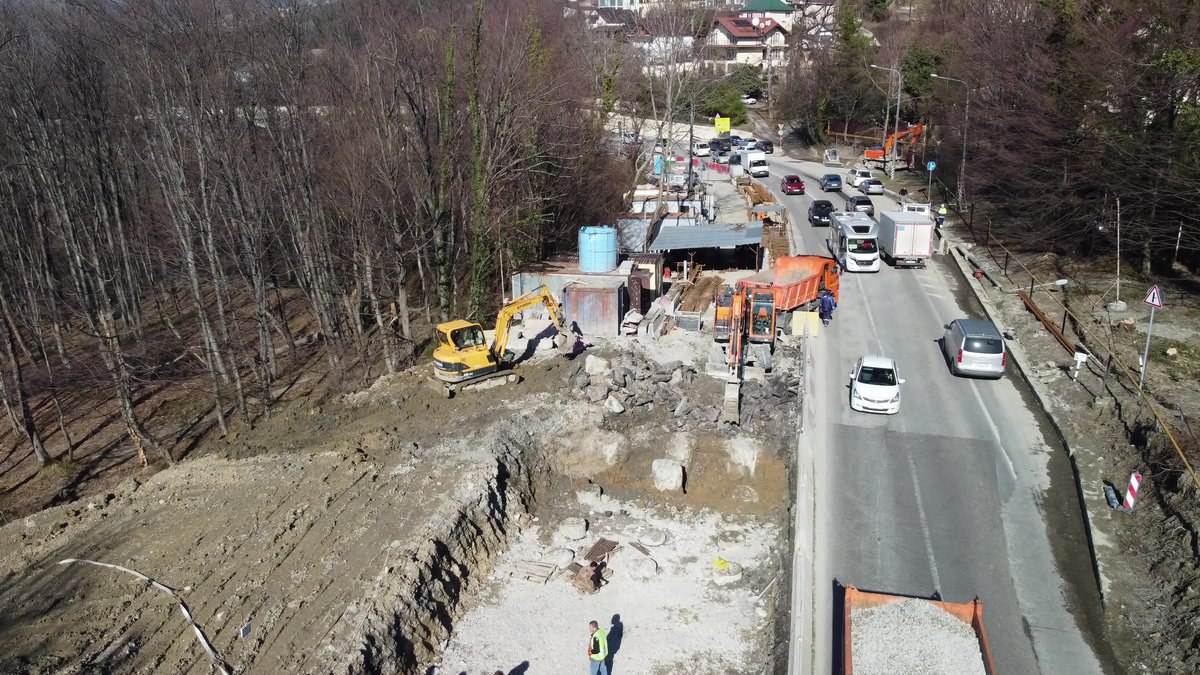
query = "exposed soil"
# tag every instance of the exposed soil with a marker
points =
(349, 534)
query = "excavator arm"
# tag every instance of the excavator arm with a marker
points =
(538, 296)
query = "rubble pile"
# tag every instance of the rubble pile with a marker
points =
(631, 383)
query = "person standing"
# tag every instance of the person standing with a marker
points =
(597, 649)
(942, 212)
(827, 305)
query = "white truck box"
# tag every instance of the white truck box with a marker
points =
(754, 163)
(906, 238)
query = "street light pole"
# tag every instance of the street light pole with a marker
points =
(896, 130)
(962, 165)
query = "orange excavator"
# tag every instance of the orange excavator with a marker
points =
(881, 156)
(794, 283)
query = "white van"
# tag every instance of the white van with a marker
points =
(854, 241)
(855, 177)
(700, 148)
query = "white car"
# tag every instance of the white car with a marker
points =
(701, 149)
(871, 186)
(749, 100)
(875, 386)
(855, 177)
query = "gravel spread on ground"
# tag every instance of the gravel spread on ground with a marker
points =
(913, 637)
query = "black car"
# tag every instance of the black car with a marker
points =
(861, 203)
(720, 145)
(831, 182)
(767, 147)
(818, 213)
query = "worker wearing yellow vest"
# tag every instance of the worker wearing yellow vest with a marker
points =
(597, 649)
(942, 212)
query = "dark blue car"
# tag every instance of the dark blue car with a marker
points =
(831, 182)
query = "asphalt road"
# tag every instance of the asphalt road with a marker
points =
(959, 494)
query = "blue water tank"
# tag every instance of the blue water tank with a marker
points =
(597, 249)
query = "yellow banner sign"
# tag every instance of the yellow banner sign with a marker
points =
(721, 124)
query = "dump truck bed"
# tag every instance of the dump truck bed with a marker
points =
(858, 603)
(797, 280)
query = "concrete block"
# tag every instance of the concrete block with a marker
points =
(654, 537)
(573, 528)
(560, 557)
(726, 573)
(595, 365)
(668, 474)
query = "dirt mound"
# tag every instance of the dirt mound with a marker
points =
(334, 561)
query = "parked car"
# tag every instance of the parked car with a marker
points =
(735, 141)
(767, 147)
(871, 186)
(721, 156)
(856, 176)
(720, 144)
(792, 185)
(875, 385)
(750, 144)
(701, 149)
(975, 347)
(860, 203)
(831, 182)
(818, 213)
(749, 100)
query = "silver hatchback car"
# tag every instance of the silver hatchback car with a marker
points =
(975, 347)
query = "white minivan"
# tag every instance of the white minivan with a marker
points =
(855, 177)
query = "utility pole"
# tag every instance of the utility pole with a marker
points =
(962, 165)
(889, 166)
(691, 147)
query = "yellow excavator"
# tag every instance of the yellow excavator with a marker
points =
(463, 358)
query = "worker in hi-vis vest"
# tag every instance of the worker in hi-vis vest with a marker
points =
(597, 649)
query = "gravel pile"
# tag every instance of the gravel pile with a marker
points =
(913, 637)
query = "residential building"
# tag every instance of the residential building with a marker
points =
(779, 11)
(736, 40)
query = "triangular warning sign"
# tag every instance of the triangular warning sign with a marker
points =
(1154, 297)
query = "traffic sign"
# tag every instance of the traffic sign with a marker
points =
(931, 166)
(721, 124)
(1154, 297)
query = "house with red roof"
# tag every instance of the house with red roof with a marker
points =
(736, 40)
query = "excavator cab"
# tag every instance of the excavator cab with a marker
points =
(762, 317)
(463, 356)
(462, 352)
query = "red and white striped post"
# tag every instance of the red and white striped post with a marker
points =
(1135, 479)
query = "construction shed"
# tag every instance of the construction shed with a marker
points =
(717, 246)
(595, 302)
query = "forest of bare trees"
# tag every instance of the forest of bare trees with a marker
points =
(171, 172)
(1073, 105)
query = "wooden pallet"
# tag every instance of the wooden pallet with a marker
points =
(600, 550)
(533, 571)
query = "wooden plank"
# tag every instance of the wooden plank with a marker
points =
(641, 549)
(600, 550)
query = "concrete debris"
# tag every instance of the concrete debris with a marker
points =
(913, 636)
(614, 405)
(745, 493)
(668, 475)
(581, 381)
(595, 365)
(573, 528)
(596, 393)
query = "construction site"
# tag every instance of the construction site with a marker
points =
(473, 514)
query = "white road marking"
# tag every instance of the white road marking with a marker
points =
(987, 415)
(870, 315)
(937, 580)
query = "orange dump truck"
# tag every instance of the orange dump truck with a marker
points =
(895, 633)
(797, 281)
